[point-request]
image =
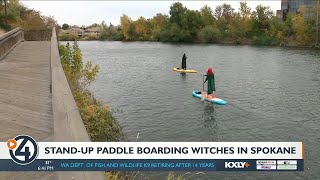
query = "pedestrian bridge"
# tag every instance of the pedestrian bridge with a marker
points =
(35, 98)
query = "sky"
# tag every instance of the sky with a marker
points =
(89, 12)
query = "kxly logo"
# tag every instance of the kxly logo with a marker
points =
(236, 165)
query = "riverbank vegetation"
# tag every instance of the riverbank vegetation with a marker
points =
(97, 118)
(224, 24)
(18, 15)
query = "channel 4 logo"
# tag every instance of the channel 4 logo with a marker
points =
(23, 149)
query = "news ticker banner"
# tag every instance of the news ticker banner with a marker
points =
(24, 153)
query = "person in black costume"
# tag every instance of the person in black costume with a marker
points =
(184, 62)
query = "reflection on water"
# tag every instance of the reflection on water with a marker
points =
(183, 76)
(273, 95)
(210, 122)
(208, 113)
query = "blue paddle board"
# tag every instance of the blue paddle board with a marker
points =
(214, 100)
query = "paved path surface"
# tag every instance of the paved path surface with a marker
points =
(25, 98)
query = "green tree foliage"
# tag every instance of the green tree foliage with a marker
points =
(142, 29)
(245, 11)
(177, 12)
(206, 15)
(110, 32)
(261, 18)
(245, 26)
(191, 25)
(210, 33)
(65, 26)
(158, 24)
(259, 26)
(288, 25)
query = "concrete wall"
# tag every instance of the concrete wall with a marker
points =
(38, 35)
(68, 125)
(10, 40)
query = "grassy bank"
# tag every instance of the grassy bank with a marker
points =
(97, 118)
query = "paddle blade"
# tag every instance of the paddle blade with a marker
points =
(202, 96)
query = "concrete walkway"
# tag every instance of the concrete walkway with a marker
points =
(25, 98)
(27, 106)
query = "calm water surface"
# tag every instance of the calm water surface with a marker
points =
(273, 95)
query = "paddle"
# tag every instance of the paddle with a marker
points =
(202, 93)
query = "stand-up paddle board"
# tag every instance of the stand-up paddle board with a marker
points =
(185, 71)
(215, 100)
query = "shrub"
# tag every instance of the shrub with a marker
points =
(68, 37)
(265, 40)
(209, 34)
(98, 120)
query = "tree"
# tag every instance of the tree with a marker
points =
(65, 26)
(177, 11)
(207, 16)
(237, 30)
(132, 34)
(226, 11)
(14, 11)
(191, 24)
(158, 23)
(240, 25)
(288, 25)
(224, 14)
(261, 18)
(244, 10)
(125, 24)
(103, 25)
(210, 33)
(104, 34)
(50, 22)
(300, 27)
(33, 20)
(142, 28)
(94, 25)
(175, 31)
(218, 12)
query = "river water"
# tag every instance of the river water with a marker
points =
(273, 95)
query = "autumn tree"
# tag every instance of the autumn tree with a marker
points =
(241, 24)
(158, 23)
(142, 29)
(33, 20)
(300, 27)
(125, 25)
